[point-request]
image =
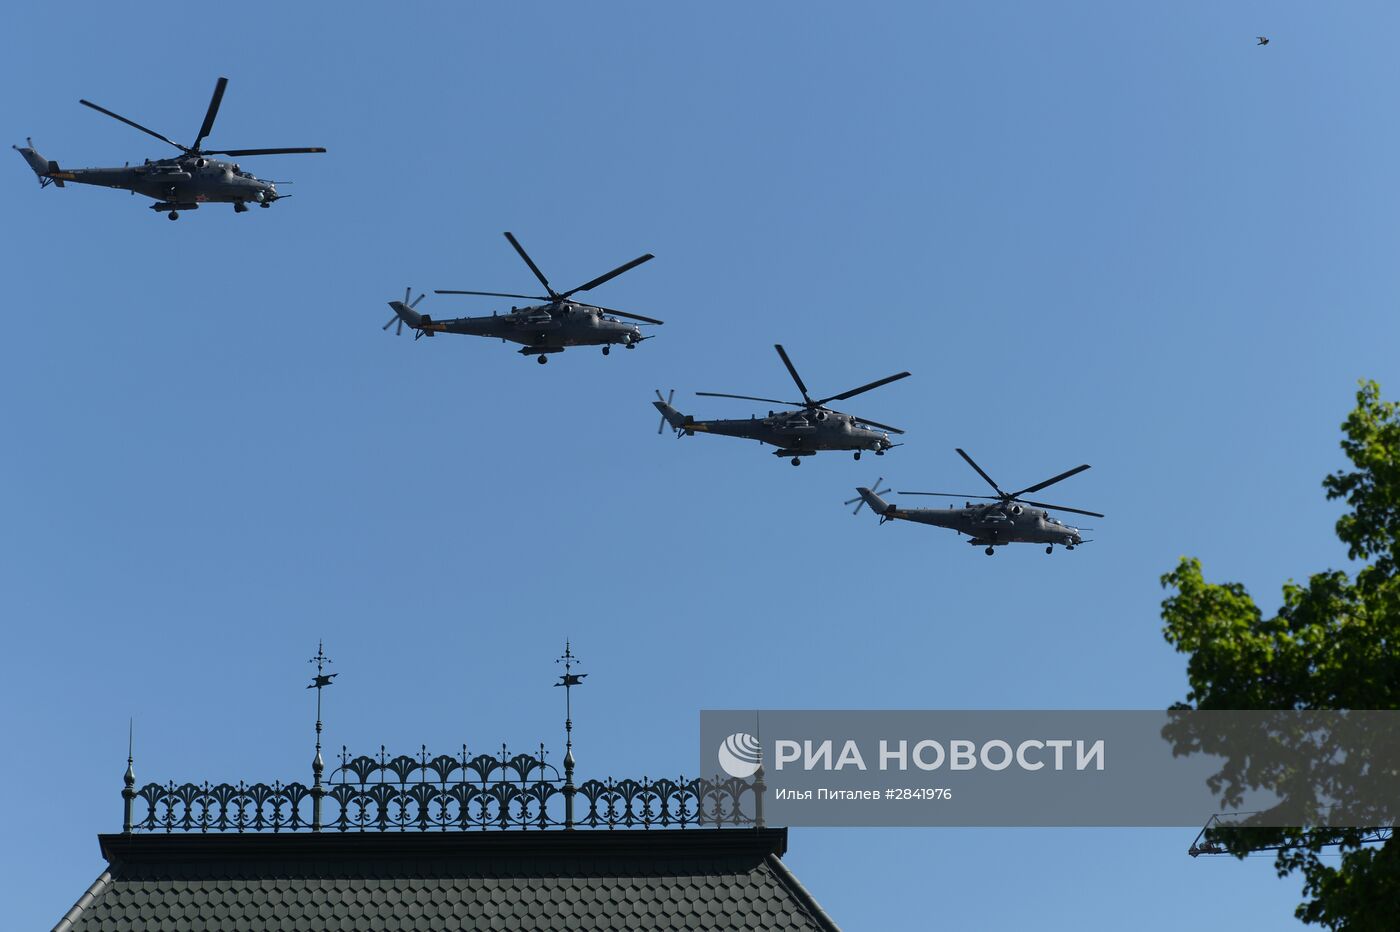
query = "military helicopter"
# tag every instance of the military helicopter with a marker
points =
(182, 182)
(1006, 522)
(542, 329)
(795, 433)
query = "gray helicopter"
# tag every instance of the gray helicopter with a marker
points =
(182, 182)
(795, 433)
(1005, 522)
(541, 329)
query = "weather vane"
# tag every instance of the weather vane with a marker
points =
(319, 682)
(569, 680)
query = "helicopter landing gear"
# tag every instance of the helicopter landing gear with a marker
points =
(542, 359)
(174, 215)
(606, 350)
(1069, 546)
(266, 204)
(797, 461)
(1050, 549)
(631, 346)
(990, 551)
(857, 454)
(239, 207)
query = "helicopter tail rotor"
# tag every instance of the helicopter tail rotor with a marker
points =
(404, 313)
(871, 496)
(48, 172)
(669, 415)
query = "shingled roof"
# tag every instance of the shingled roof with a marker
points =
(443, 881)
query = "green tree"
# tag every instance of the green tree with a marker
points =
(1334, 644)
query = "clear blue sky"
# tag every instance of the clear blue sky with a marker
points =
(1095, 232)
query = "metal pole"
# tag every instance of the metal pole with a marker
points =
(318, 764)
(569, 680)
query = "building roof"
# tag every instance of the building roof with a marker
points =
(442, 881)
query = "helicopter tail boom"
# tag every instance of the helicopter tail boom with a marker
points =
(48, 172)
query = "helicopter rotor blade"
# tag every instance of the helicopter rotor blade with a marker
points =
(238, 152)
(629, 314)
(212, 112)
(609, 276)
(666, 401)
(865, 388)
(391, 322)
(497, 294)
(988, 478)
(1078, 511)
(795, 404)
(870, 423)
(1064, 475)
(951, 495)
(553, 295)
(792, 370)
(132, 123)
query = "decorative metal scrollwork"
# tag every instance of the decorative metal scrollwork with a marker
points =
(224, 807)
(445, 793)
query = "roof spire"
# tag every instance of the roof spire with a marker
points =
(569, 680)
(318, 766)
(129, 778)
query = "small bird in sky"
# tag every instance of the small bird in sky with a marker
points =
(1263, 40)
(322, 679)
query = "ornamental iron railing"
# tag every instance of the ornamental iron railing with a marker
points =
(442, 793)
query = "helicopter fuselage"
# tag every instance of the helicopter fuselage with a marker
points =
(993, 524)
(540, 329)
(1006, 519)
(183, 183)
(796, 433)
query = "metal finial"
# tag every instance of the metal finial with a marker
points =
(318, 765)
(569, 680)
(129, 778)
